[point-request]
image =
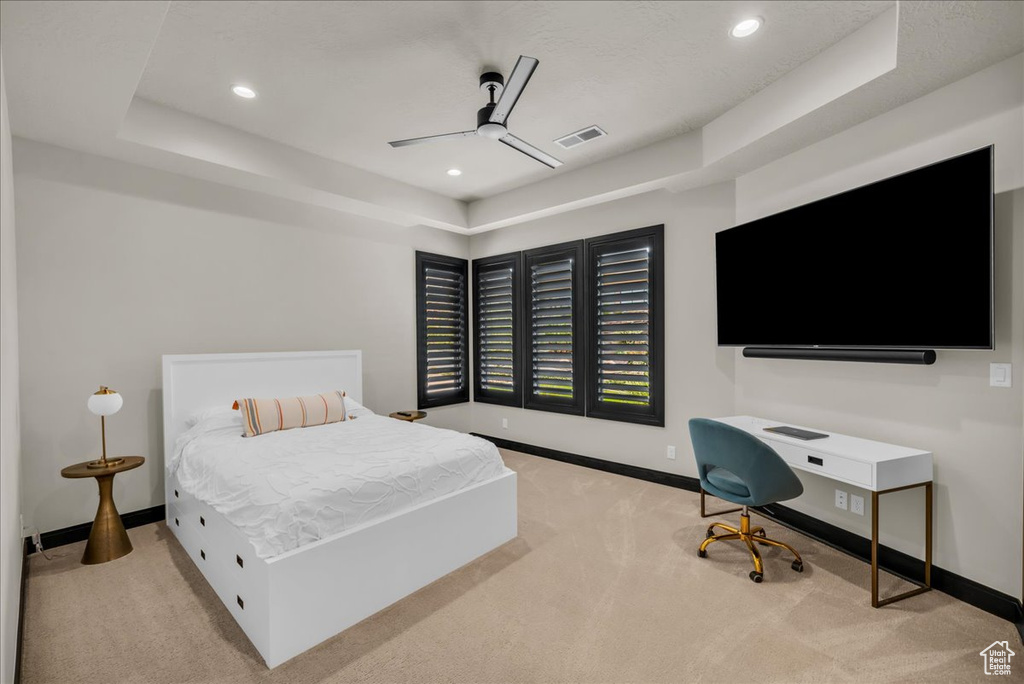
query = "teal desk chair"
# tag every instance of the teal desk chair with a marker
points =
(738, 467)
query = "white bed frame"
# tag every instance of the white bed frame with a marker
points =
(291, 602)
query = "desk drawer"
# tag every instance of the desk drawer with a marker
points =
(854, 472)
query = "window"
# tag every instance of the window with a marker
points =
(553, 360)
(625, 337)
(441, 330)
(574, 328)
(496, 334)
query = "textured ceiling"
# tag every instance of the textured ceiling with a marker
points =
(940, 42)
(340, 79)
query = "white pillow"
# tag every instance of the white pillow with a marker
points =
(354, 409)
(212, 418)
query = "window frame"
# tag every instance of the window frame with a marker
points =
(575, 251)
(481, 394)
(425, 260)
(654, 414)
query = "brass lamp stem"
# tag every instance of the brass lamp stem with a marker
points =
(102, 462)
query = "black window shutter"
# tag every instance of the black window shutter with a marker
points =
(496, 330)
(626, 354)
(554, 351)
(442, 335)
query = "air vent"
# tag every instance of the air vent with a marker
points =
(580, 137)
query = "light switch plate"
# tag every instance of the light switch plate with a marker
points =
(1000, 375)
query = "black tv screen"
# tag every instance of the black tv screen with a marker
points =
(905, 262)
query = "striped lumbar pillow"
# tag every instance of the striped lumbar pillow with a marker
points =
(267, 415)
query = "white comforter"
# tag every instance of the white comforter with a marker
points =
(286, 489)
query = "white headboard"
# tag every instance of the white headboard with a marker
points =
(193, 382)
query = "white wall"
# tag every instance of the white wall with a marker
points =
(119, 264)
(985, 108)
(10, 444)
(975, 431)
(698, 375)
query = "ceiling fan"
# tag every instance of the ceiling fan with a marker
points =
(491, 119)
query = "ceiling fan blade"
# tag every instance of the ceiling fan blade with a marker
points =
(530, 151)
(514, 86)
(430, 138)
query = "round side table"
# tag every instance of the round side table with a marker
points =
(410, 416)
(107, 540)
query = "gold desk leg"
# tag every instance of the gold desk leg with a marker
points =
(874, 549)
(928, 535)
(705, 514)
(108, 539)
(921, 587)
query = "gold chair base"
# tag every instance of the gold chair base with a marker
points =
(752, 537)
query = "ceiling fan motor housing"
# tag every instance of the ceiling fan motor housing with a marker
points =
(485, 127)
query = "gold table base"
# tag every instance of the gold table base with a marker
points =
(108, 539)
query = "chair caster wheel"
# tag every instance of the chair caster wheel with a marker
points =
(763, 534)
(701, 553)
(798, 566)
(710, 533)
(756, 576)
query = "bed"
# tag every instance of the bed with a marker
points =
(295, 582)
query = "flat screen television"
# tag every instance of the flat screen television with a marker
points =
(904, 262)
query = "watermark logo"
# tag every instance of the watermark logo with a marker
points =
(997, 658)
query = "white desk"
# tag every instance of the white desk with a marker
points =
(876, 466)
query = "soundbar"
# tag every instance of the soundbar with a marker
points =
(924, 357)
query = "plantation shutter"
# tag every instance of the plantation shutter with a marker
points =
(626, 354)
(496, 299)
(555, 348)
(442, 335)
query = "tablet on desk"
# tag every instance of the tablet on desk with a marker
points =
(796, 432)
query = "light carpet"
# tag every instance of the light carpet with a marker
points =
(603, 584)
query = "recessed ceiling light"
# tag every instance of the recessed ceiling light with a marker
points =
(454, 172)
(243, 91)
(746, 27)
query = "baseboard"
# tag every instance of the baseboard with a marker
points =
(668, 479)
(896, 562)
(76, 533)
(21, 611)
(899, 563)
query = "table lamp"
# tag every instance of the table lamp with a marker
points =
(105, 402)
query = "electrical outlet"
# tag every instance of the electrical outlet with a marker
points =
(671, 453)
(504, 423)
(857, 504)
(840, 499)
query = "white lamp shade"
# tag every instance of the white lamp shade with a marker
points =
(105, 404)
